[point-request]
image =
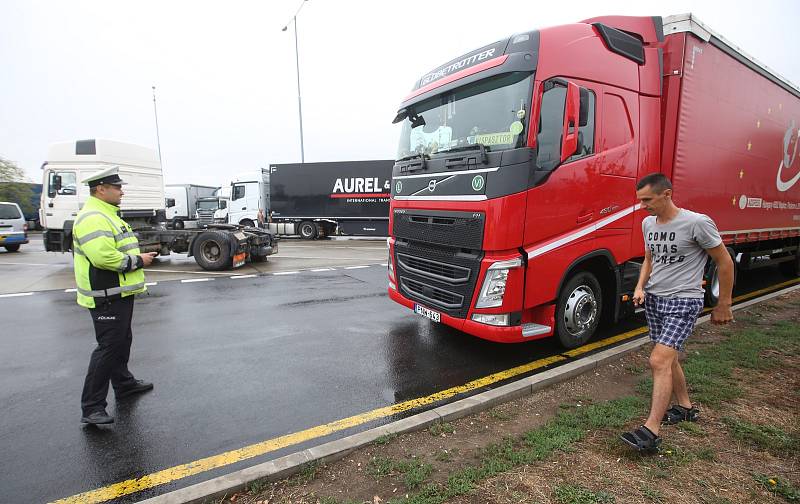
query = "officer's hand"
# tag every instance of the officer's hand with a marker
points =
(147, 257)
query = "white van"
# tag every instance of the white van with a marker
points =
(13, 228)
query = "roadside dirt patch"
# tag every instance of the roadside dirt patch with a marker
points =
(741, 451)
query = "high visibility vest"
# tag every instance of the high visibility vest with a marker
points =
(105, 255)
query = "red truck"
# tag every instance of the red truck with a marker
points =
(513, 214)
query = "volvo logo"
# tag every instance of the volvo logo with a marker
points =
(432, 185)
(477, 183)
(398, 187)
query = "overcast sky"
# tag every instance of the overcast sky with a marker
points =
(225, 72)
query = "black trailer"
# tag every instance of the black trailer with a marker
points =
(321, 199)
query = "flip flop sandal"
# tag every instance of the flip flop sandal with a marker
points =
(642, 439)
(678, 413)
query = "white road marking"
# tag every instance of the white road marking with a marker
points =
(243, 276)
(192, 280)
(70, 290)
(184, 271)
(16, 294)
(283, 256)
(150, 284)
(323, 269)
(286, 273)
(356, 267)
(61, 265)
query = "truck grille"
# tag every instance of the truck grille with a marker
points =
(205, 218)
(450, 229)
(431, 295)
(439, 276)
(447, 273)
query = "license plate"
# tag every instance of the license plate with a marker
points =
(239, 259)
(425, 312)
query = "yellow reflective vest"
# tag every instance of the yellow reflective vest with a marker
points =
(106, 255)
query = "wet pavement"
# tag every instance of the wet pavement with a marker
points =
(235, 361)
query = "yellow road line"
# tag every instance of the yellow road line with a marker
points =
(231, 457)
(182, 471)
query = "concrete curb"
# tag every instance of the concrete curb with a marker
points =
(334, 450)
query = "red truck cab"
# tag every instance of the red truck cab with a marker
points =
(513, 213)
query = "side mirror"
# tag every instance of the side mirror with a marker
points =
(170, 202)
(57, 182)
(569, 134)
(223, 205)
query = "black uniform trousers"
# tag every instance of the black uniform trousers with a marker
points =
(109, 361)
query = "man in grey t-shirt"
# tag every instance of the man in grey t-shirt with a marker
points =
(677, 245)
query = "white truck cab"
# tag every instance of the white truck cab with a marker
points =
(249, 193)
(68, 163)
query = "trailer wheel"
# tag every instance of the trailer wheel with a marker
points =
(578, 310)
(711, 294)
(791, 269)
(307, 230)
(212, 251)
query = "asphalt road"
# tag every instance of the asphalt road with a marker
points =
(235, 361)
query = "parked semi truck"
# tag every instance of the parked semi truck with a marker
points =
(315, 199)
(183, 199)
(215, 247)
(513, 210)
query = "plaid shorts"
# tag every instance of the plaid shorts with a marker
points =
(671, 319)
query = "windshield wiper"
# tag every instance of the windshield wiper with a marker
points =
(410, 167)
(478, 146)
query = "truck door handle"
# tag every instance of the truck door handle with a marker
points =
(244, 208)
(50, 204)
(584, 218)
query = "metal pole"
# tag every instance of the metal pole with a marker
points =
(299, 101)
(297, 67)
(158, 137)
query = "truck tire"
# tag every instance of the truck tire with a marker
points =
(578, 309)
(307, 230)
(711, 295)
(247, 223)
(212, 251)
(177, 223)
(12, 248)
(791, 269)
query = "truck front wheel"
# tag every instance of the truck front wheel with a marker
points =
(307, 230)
(212, 251)
(578, 310)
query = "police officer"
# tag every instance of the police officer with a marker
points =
(108, 273)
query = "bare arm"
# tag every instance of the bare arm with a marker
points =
(721, 313)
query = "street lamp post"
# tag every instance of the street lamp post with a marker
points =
(297, 66)
(158, 137)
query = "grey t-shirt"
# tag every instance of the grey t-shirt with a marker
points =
(678, 253)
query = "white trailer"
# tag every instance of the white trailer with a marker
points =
(214, 247)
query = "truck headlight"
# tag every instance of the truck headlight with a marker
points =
(494, 285)
(501, 319)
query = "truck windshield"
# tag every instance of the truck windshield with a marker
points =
(207, 204)
(493, 112)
